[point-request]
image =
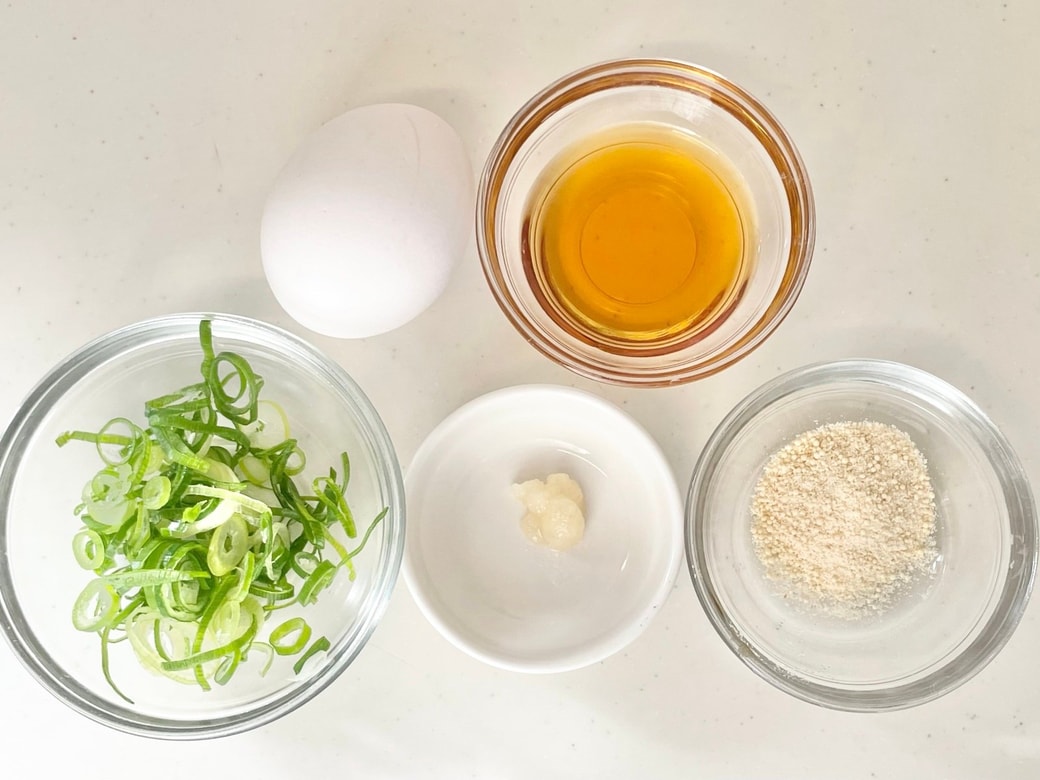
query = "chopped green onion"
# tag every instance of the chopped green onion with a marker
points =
(273, 591)
(238, 406)
(321, 644)
(156, 492)
(219, 470)
(142, 628)
(139, 577)
(270, 428)
(228, 546)
(290, 637)
(304, 563)
(268, 652)
(227, 668)
(368, 533)
(198, 659)
(255, 470)
(97, 604)
(88, 548)
(226, 619)
(105, 642)
(319, 579)
(196, 530)
(246, 572)
(245, 502)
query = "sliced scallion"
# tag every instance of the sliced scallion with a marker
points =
(88, 548)
(321, 645)
(196, 530)
(290, 637)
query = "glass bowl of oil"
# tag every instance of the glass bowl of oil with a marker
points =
(645, 222)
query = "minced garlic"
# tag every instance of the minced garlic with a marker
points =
(555, 511)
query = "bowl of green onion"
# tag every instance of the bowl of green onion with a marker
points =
(201, 523)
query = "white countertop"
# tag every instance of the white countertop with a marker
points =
(138, 141)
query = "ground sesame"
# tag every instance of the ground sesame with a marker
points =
(844, 516)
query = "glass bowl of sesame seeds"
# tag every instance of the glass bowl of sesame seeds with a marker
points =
(861, 535)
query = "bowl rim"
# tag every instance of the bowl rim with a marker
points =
(1015, 588)
(657, 595)
(733, 99)
(43, 397)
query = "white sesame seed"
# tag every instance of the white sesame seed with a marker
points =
(844, 516)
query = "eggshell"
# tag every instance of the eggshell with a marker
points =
(365, 222)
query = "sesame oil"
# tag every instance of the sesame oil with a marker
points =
(637, 237)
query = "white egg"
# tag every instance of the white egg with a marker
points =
(365, 222)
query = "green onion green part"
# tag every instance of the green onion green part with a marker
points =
(321, 644)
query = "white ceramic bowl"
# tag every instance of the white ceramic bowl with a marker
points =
(514, 604)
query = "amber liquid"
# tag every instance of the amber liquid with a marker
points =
(638, 236)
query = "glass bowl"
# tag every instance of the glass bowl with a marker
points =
(778, 213)
(40, 484)
(949, 624)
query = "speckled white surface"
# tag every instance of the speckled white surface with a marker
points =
(137, 143)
